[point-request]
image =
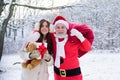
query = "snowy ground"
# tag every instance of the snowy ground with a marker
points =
(94, 66)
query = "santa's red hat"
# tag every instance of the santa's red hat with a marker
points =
(60, 20)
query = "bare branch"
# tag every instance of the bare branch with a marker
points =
(47, 8)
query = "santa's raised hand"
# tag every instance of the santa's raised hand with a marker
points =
(78, 34)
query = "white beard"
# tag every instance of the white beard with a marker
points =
(61, 35)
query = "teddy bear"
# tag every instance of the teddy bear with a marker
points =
(31, 48)
(34, 50)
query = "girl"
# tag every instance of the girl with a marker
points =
(40, 35)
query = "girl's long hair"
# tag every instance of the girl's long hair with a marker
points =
(47, 38)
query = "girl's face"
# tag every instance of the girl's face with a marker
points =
(44, 28)
(61, 29)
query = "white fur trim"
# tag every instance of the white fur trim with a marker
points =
(33, 37)
(62, 22)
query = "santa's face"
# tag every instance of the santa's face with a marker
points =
(61, 30)
(44, 28)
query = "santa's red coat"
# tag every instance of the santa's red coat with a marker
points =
(71, 52)
(73, 48)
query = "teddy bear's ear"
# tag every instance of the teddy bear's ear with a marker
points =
(31, 47)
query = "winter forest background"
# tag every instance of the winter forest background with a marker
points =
(101, 15)
(17, 19)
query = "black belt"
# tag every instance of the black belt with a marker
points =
(67, 73)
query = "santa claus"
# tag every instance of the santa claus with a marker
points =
(68, 40)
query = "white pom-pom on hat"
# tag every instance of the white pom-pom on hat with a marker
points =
(37, 25)
(33, 37)
(65, 23)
